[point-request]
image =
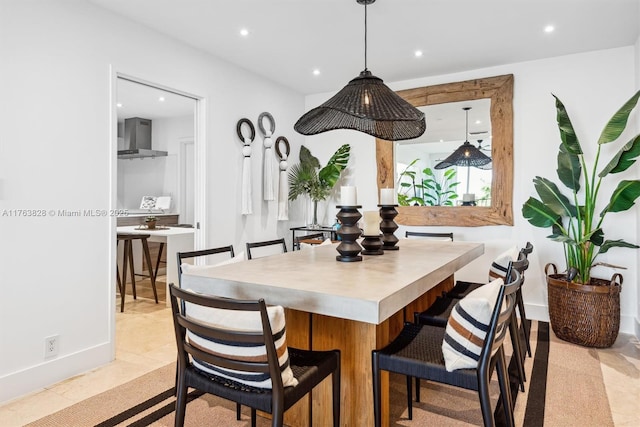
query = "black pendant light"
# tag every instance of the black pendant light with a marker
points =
(367, 105)
(466, 155)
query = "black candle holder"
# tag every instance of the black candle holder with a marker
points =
(349, 232)
(372, 245)
(388, 227)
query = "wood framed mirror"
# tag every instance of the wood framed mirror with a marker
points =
(499, 90)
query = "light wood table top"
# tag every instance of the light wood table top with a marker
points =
(311, 280)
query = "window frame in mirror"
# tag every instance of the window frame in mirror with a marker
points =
(500, 90)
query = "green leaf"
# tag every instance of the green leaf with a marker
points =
(553, 198)
(330, 174)
(307, 159)
(618, 122)
(569, 169)
(608, 244)
(596, 237)
(567, 134)
(538, 214)
(623, 196)
(302, 177)
(623, 158)
(405, 184)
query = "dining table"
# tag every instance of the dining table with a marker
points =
(352, 306)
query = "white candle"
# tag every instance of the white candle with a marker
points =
(468, 197)
(371, 223)
(387, 196)
(348, 196)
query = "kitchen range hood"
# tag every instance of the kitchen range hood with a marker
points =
(137, 140)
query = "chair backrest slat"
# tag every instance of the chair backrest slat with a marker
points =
(275, 242)
(502, 313)
(429, 235)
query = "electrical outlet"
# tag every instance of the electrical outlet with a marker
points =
(51, 345)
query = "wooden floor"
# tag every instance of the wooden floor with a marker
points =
(144, 289)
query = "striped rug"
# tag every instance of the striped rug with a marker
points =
(564, 388)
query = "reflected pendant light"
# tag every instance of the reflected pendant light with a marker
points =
(466, 155)
(367, 105)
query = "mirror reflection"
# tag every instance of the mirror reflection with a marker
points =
(450, 164)
(498, 90)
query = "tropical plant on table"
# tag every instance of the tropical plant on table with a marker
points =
(434, 191)
(308, 178)
(574, 219)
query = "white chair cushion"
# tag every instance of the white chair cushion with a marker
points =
(498, 269)
(190, 268)
(245, 321)
(467, 327)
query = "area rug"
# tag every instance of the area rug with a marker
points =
(564, 388)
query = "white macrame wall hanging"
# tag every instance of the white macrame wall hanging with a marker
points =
(247, 207)
(283, 186)
(268, 192)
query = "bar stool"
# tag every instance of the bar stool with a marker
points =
(128, 239)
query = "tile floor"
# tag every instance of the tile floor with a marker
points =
(144, 342)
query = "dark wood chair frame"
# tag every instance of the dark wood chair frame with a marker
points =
(313, 236)
(309, 367)
(446, 303)
(203, 252)
(414, 363)
(251, 245)
(408, 234)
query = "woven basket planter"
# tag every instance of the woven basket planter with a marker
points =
(588, 315)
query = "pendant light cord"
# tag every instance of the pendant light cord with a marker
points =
(365, 35)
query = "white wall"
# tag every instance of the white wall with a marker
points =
(155, 176)
(592, 86)
(59, 60)
(637, 74)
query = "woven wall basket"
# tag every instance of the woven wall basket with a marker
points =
(587, 315)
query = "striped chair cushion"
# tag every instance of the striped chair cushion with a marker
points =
(245, 321)
(467, 327)
(499, 265)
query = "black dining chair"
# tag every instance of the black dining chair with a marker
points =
(439, 313)
(201, 253)
(418, 352)
(462, 289)
(313, 238)
(227, 366)
(441, 236)
(276, 242)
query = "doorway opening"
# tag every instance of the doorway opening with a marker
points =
(156, 172)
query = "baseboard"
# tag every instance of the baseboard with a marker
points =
(36, 378)
(537, 312)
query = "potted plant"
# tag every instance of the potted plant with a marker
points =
(151, 222)
(309, 179)
(433, 191)
(583, 309)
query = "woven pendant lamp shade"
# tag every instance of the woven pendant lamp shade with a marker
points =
(465, 155)
(367, 105)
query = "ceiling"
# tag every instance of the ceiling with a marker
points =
(288, 39)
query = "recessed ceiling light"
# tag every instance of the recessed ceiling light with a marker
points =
(316, 72)
(478, 122)
(549, 29)
(417, 53)
(244, 32)
(119, 105)
(161, 99)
